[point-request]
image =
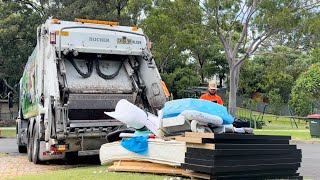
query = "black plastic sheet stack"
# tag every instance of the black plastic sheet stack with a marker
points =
(241, 156)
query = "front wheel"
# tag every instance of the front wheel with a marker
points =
(21, 148)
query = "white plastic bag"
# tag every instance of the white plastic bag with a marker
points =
(202, 117)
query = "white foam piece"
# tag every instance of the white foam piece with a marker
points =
(135, 117)
(159, 151)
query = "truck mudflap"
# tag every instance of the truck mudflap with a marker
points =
(45, 156)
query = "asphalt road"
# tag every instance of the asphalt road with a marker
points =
(8, 145)
(309, 169)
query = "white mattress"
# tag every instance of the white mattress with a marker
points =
(159, 151)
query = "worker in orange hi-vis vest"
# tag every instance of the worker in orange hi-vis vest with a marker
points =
(212, 94)
(165, 89)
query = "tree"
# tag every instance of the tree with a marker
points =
(306, 90)
(180, 80)
(282, 68)
(19, 20)
(315, 56)
(124, 11)
(273, 72)
(206, 53)
(251, 80)
(18, 27)
(242, 26)
(180, 39)
(172, 27)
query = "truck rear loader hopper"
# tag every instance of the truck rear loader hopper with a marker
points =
(77, 71)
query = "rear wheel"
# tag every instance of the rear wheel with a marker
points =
(36, 146)
(72, 158)
(30, 144)
(22, 149)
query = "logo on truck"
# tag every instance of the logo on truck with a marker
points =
(96, 39)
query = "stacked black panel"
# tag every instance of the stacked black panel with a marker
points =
(241, 156)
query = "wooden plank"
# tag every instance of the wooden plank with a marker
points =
(148, 167)
(244, 141)
(199, 135)
(154, 170)
(244, 157)
(234, 136)
(239, 146)
(240, 163)
(257, 172)
(241, 152)
(168, 138)
(139, 163)
(196, 175)
(218, 169)
(142, 166)
(200, 140)
(189, 139)
(255, 146)
(197, 168)
(269, 175)
(201, 146)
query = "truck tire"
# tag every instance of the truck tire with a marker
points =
(30, 145)
(36, 146)
(22, 149)
(71, 158)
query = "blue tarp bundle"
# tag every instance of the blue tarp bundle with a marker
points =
(137, 144)
(175, 107)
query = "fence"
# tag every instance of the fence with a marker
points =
(8, 116)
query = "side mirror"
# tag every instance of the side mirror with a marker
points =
(10, 100)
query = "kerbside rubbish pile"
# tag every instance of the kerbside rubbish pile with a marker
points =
(195, 138)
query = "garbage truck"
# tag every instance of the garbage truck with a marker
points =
(77, 71)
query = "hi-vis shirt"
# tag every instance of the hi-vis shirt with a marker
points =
(211, 98)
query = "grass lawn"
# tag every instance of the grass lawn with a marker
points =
(87, 173)
(8, 133)
(272, 122)
(295, 134)
(277, 125)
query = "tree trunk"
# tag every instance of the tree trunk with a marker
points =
(220, 81)
(234, 77)
(202, 77)
(119, 10)
(201, 63)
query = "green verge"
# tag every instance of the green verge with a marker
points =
(277, 125)
(272, 122)
(8, 133)
(295, 134)
(87, 173)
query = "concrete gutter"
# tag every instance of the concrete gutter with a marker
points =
(7, 128)
(304, 142)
